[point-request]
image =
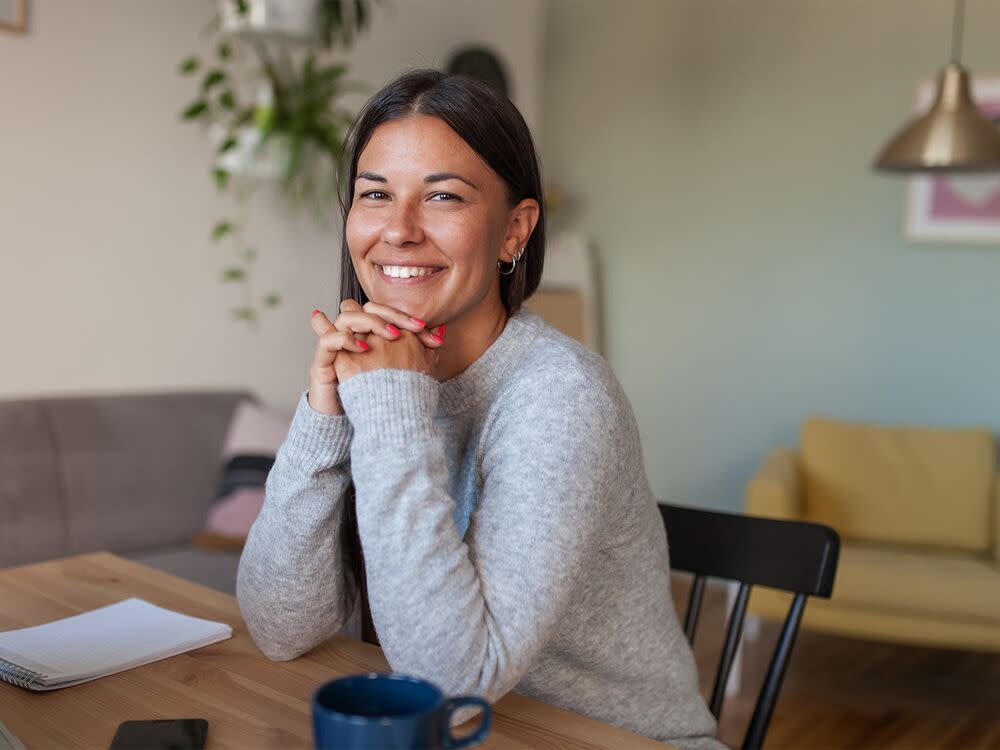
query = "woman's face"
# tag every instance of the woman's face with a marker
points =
(428, 223)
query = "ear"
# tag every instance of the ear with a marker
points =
(520, 224)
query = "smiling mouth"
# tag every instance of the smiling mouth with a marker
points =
(408, 272)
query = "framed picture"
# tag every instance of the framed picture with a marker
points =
(957, 207)
(14, 15)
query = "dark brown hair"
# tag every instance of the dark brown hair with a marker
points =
(491, 125)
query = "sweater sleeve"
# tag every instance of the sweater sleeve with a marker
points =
(472, 617)
(292, 585)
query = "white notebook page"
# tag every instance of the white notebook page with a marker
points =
(106, 640)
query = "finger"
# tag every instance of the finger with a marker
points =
(432, 338)
(362, 322)
(332, 342)
(320, 323)
(350, 305)
(395, 317)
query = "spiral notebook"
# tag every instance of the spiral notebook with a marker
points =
(103, 641)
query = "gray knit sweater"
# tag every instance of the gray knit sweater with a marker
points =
(510, 536)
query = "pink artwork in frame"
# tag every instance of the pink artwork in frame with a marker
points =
(957, 208)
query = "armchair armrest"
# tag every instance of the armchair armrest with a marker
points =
(776, 490)
(996, 519)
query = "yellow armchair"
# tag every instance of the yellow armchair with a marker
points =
(918, 511)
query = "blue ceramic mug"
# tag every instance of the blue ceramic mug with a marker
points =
(390, 711)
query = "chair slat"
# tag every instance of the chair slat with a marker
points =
(694, 607)
(734, 633)
(775, 676)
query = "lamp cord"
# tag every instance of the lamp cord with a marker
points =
(956, 31)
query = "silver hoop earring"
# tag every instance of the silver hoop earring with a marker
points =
(513, 263)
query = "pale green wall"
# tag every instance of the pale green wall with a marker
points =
(754, 267)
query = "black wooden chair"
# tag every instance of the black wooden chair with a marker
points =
(793, 556)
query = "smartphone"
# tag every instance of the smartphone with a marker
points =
(161, 734)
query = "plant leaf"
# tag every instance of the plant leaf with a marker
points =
(272, 300)
(242, 7)
(227, 145)
(195, 110)
(221, 229)
(234, 274)
(224, 50)
(212, 78)
(221, 178)
(227, 100)
(189, 66)
(245, 313)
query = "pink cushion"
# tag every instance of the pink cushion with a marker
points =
(233, 515)
(255, 434)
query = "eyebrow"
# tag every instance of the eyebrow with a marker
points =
(436, 177)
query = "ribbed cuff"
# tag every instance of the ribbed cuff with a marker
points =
(390, 405)
(317, 442)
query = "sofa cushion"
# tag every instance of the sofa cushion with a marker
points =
(138, 470)
(33, 511)
(213, 568)
(900, 484)
(918, 582)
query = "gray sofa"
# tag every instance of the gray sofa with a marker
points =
(133, 474)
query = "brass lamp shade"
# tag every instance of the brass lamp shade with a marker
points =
(953, 136)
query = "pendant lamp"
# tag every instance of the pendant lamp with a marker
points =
(954, 135)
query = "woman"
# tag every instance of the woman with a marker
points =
(510, 537)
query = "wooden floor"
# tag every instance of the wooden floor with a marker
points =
(850, 694)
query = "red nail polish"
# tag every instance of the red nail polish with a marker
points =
(315, 311)
(364, 346)
(437, 338)
(441, 330)
(419, 322)
(393, 330)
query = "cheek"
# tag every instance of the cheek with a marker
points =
(360, 230)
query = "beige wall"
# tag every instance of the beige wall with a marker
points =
(717, 151)
(108, 281)
(754, 267)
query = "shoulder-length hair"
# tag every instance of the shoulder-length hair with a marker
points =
(491, 125)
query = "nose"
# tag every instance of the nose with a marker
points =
(403, 226)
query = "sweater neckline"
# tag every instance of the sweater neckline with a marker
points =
(492, 367)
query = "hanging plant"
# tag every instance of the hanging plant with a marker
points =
(272, 108)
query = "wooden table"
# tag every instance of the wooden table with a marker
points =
(248, 700)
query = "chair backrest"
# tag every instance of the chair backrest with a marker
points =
(793, 556)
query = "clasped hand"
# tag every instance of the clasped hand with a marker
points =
(361, 339)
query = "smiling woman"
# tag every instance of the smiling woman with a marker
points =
(510, 539)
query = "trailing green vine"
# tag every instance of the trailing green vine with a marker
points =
(274, 111)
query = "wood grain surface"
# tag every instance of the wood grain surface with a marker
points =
(247, 700)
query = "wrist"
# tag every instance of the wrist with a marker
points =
(324, 399)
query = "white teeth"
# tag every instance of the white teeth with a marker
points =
(405, 272)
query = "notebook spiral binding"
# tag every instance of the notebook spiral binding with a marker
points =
(20, 676)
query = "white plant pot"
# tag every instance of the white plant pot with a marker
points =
(292, 19)
(250, 158)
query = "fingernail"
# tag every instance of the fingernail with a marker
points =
(363, 345)
(315, 311)
(440, 331)
(419, 322)
(437, 338)
(393, 330)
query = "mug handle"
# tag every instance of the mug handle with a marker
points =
(451, 742)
